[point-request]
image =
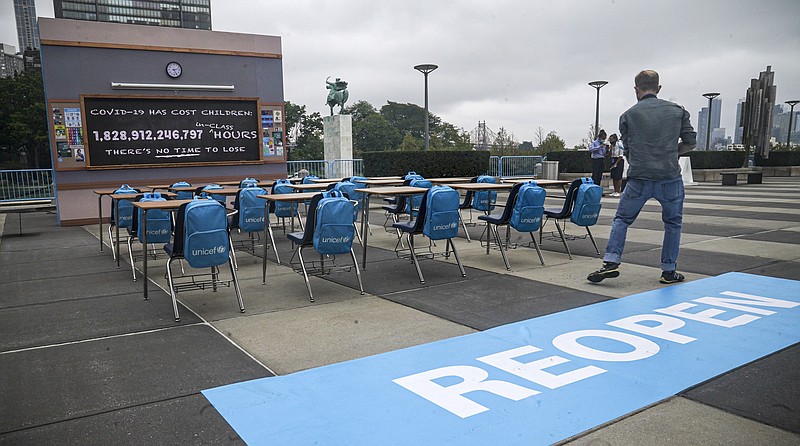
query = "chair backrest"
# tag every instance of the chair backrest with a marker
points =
(201, 233)
(528, 207)
(251, 209)
(484, 200)
(333, 224)
(307, 179)
(125, 207)
(159, 222)
(587, 205)
(440, 212)
(358, 196)
(182, 194)
(283, 209)
(415, 201)
(248, 182)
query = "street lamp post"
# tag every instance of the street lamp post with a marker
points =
(425, 69)
(597, 85)
(710, 97)
(791, 115)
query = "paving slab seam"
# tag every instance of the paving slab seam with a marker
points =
(101, 338)
(204, 321)
(614, 421)
(100, 412)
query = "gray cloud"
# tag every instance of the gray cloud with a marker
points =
(520, 65)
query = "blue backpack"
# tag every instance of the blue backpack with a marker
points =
(411, 175)
(413, 203)
(441, 213)
(248, 182)
(159, 222)
(528, 208)
(307, 179)
(333, 230)
(484, 200)
(183, 194)
(251, 209)
(587, 205)
(209, 192)
(358, 196)
(125, 208)
(284, 209)
(205, 237)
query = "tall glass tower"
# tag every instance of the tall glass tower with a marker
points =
(27, 28)
(193, 14)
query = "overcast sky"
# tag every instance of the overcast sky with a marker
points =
(520, 64)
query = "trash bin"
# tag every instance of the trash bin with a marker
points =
(549, 170)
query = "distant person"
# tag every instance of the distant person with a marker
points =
(617, 163)
(598, 151)
(79, 156)
(654, 133)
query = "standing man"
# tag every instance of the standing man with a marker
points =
(598, 151)
(654, 132)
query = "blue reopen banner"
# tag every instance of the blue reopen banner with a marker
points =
(533, 382)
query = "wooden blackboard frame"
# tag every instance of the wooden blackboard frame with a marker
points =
(226, 115)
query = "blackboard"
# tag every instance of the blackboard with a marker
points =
(165, 131)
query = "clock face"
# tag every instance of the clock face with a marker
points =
(174, 69)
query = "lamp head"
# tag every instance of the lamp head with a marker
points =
(710, 95)
(426, 68)
(793, 103)
(597, 84)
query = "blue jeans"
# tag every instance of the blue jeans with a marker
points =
(669, 194)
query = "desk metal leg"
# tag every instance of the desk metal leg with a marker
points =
(116, 227)
(144, 243)
(365, 231)
(100, 219)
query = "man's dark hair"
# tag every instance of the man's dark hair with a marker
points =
(647, 80)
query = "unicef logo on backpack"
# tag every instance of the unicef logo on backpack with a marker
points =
(209, 251)
(445, 226)
(336, 240)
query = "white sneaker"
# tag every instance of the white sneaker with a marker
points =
(615, 194)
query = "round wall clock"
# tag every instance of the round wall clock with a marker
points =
(174, 69)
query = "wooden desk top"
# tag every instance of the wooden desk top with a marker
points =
(382, 181)
(168, 204)
(309, 187)
(296, 197)
(450, 180)
(393, 190)
(539, 182)
(481, 186)
(132, 196)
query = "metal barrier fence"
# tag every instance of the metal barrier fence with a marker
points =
(31, 184)
(313, 167)
(346, 168)
(494, 166)
(519, 166)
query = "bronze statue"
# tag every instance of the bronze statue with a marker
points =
(337, 94)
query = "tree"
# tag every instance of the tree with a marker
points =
(374, 133)
(23, 122)
(504, 144)
(360, 110)
(407, 118)
(539, 136)
(411, 144)
(552, 143)
(305, 133)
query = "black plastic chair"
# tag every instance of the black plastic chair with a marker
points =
(305, 239)
(415, 227)
(176, 250)
(565, 213)
(503, 219)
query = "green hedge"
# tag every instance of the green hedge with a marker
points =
(716, 160)
(430, 164)
(572, 161)
(779, 159)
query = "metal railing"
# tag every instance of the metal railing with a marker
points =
(346, 168)
(313, 167)
(30, 184)
(519, 166)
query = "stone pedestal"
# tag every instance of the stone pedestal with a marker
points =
(338, 132)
